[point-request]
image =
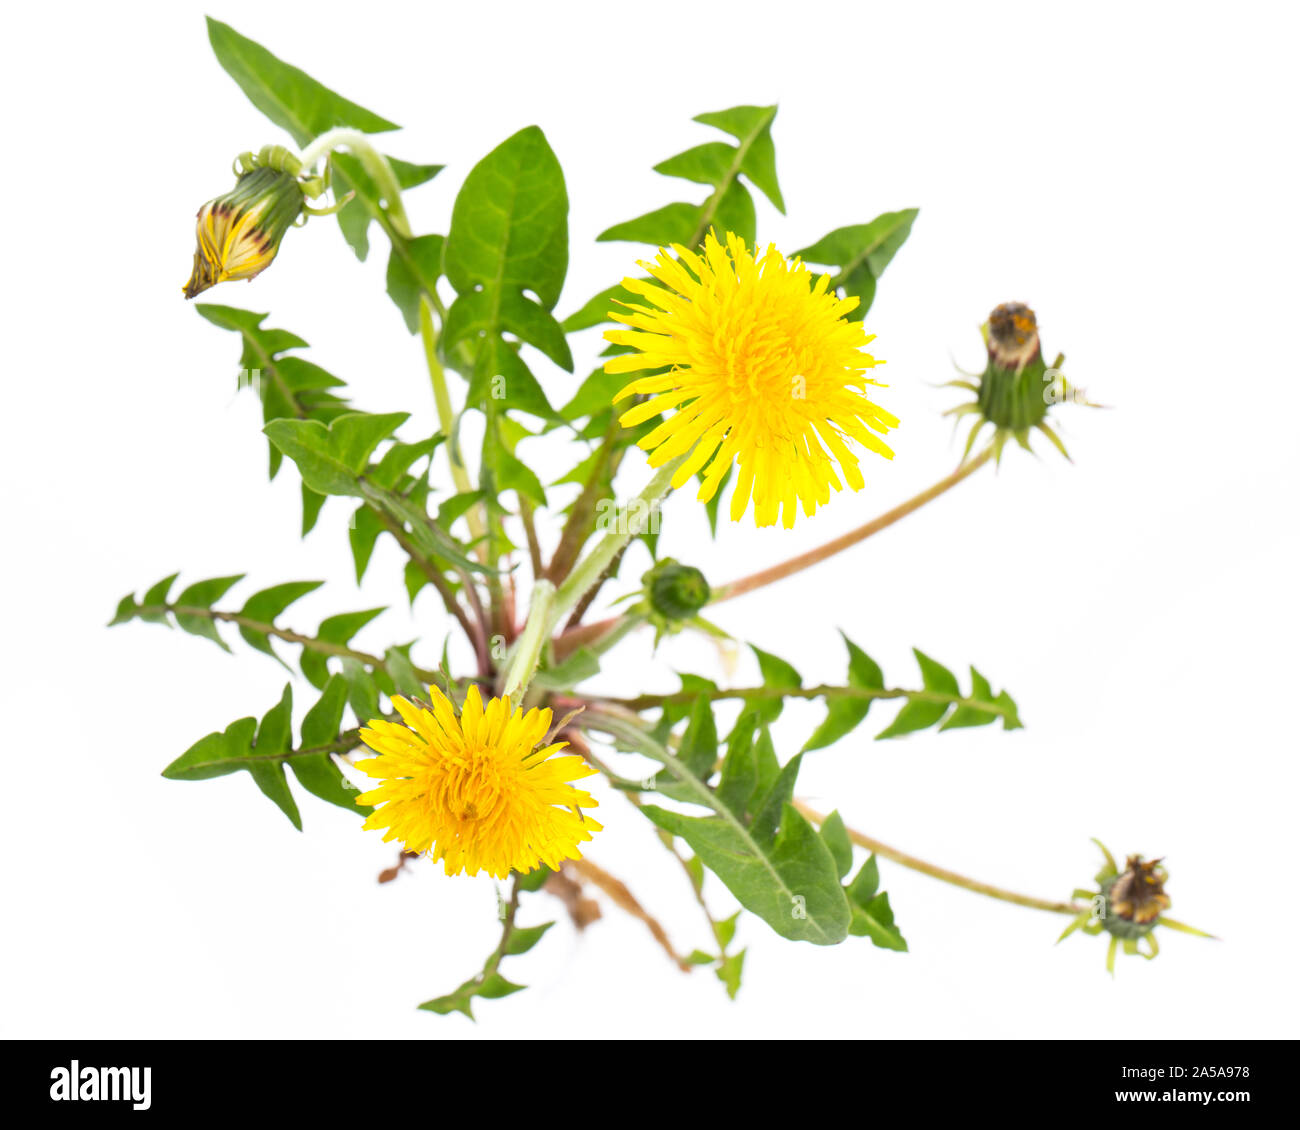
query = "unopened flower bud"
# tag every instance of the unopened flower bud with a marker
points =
(675, 592)
(239, 233)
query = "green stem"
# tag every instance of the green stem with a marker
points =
(375, 164)
(630, 521)
(528, 651)
(442, 401)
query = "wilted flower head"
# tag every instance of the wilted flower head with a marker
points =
(1137, 895)
(759, 368)
(1017, 388)
(1013, 336)
(476, 791)
(1128, 905)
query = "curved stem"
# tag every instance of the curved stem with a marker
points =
(375, 164)
(845, 541)
(942, 873)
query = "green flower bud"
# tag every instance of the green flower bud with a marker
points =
(675, 592)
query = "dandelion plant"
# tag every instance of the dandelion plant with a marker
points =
(731, 372)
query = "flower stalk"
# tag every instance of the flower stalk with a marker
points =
(853, 537)
(528, 649)
(631, 520)
(942, 873)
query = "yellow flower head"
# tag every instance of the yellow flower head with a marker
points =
(764, 370)
(240, 233)
(475, 791)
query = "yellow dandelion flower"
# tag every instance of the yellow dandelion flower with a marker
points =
(765, 371)
(475, 791)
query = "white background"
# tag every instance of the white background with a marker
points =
(1128, 170)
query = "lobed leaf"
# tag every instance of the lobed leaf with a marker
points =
(506, 255)
(263, 750)
(331, 458)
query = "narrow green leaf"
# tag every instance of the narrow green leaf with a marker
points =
(318, 773)
(837, 840)
(777, 673)
(414, 269)
(273, 737)
(155, 596)
(406, 681)
(876, 921)
(918, 714)
(595, 312)
(203, 595)
(752, 127)
(321, 725)
(729, 971)
(363, 690)
(336, 630)
(397, 460)
(266, 605)
(699, 746)
(523, 938)
(776, 798)
(844, 714)
(673, 223)
(312, 501)
(862, 252)
(866, 883)
(292, 99)
(215, 755)
(126, 610)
